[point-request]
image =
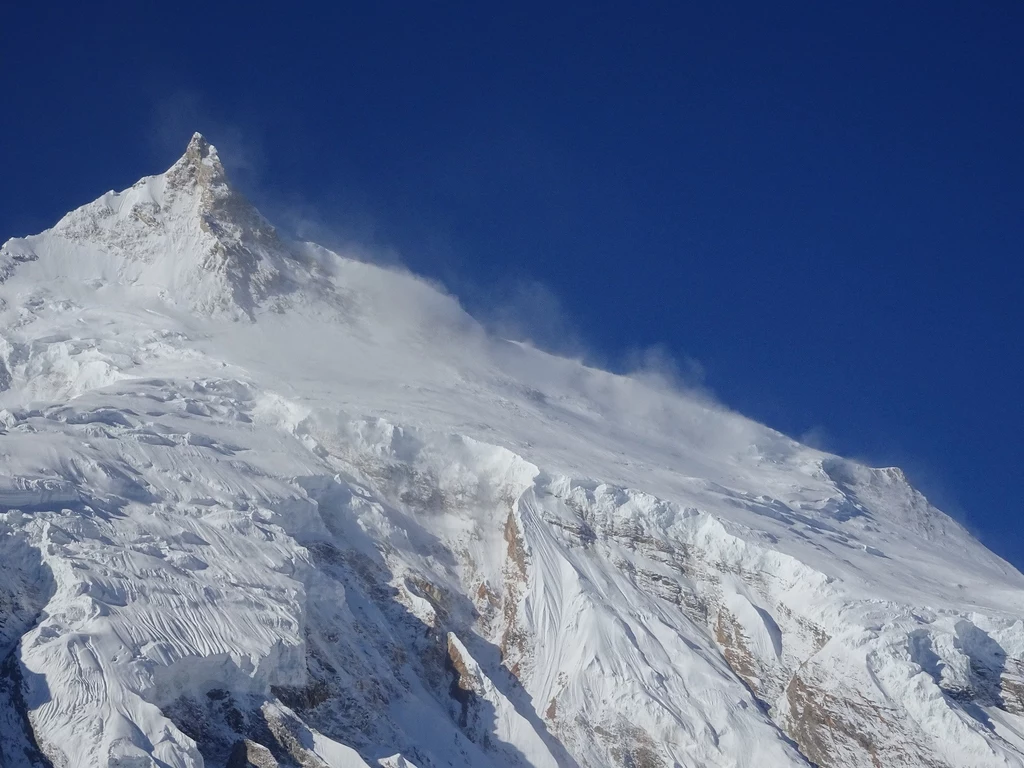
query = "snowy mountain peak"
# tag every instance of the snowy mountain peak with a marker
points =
(199, 165)
(186, 238)
(265, 505)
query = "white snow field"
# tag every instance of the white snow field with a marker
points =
(262, 504)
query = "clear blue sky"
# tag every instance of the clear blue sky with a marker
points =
(821, 203)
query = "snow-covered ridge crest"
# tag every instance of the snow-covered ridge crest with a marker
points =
(265, 505)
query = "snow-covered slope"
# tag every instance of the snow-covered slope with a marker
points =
(262, 504)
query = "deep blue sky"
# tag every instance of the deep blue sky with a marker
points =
(820, 203)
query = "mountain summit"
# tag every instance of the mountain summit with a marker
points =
(267, 505)
(185, 237)
(199, 165)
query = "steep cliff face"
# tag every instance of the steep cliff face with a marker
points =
(265, 505)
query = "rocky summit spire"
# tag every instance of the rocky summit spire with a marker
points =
(244, 252)
(198, 143)
(200, 164)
